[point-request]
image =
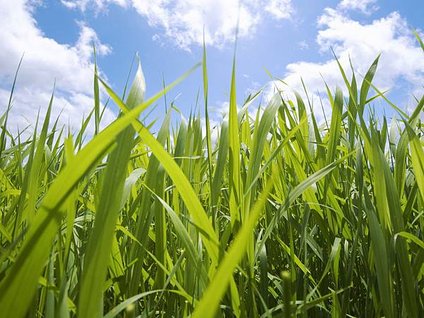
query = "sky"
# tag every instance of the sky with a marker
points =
(278, 40)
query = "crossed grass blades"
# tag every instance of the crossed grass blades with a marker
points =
(279, 216)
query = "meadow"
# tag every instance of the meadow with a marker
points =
(278, 216)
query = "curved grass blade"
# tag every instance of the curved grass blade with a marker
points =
(20, 283)
(100, 242)
(213, 294)
(181, 182)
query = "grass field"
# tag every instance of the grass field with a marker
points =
(281, 215)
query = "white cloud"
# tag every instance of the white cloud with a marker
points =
(183, 21)
(280, 9)
(46, 62)
(365, 6)
(401, 58)
(97, 4)
(84, 45)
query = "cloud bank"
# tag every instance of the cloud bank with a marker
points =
(45, 63)
(401, 58)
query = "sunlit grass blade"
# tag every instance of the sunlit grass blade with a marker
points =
(207, 122)
(234, 154)
(213, 294)
(210, 300)
(417, 158)
(100, 241)
(366, 84)
(180, 180)
(19, 285)
(172, 217)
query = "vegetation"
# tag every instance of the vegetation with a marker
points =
(279, 216)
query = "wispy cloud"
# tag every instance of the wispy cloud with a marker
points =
(83, 5)
(279, 9)
(365, 6)
(183, 21)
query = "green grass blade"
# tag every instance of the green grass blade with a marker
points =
(100, 242)
(234, 154)
(213, 294)
(366, 83)
(417, 158)
(19, 285)
(180, 180)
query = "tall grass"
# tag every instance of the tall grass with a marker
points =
(280, 216)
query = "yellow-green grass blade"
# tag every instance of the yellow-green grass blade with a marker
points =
(185, 189)
(71, 201)
(128, 303)
(334, 133)
(411, 237)
(400, 160)
(297, 261)
(306, 305)
(145, 215)
(207, 122)
(186, 240)
(277, 151)
(19, 285)
(222, 278)
(381, 258)
(234, 155)
(26, 181)
(366, 83)
(37, 170)
(417, 158)
(381, 94)
(90, 302)
(171, 276)
(213, 294)
(221, 161)
(380, 187)
(160, 227)
(407, 279)
(259, 140)
(5, 116)
(417, 111)
(181, 182)
(331, 237)
(298, 191)
(420, 41)
(96, 96)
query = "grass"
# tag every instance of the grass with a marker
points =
(279, 217)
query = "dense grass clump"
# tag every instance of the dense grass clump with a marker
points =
(279, 216)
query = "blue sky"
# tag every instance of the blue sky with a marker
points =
(289, 38)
